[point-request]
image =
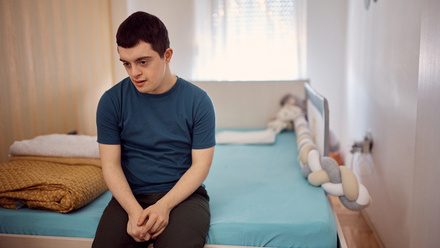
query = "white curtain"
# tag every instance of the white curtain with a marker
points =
(250, 40)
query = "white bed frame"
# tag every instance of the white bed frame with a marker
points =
(32, 241)
(318, 118)
(237, 104)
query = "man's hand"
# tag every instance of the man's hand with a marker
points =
(134, 230)
(154, 220)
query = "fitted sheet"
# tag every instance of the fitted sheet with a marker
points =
(80, 223)
(258, 197)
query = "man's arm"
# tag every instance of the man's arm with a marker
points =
(118, 185)
(154, 219)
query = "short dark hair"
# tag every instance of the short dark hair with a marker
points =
(141, 26)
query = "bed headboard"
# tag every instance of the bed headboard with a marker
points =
(248, 103)
(318, 118)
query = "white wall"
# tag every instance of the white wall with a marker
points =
(382, 86)
(425, 214)
(326, 55)
(393, 94)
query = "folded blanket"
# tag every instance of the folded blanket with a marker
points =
(57, 145)
(55, 184)
(253, 137)
(61, 160)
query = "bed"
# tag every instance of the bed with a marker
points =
(258, 195)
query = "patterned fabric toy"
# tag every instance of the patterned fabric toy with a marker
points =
(325, 171)
(285, 116)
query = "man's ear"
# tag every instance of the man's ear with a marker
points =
(168, 54)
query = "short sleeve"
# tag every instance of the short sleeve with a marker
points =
(107, 120)
(204, 124)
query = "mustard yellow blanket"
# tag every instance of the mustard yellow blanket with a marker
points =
(50, 183)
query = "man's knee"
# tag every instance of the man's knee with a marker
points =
(185, 240)
(188, 227)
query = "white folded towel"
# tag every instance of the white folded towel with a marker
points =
(57, 145)
(251, 137)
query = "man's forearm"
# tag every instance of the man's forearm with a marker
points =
(118, 185)
(191, 180)
(115, 177)
(187, 184)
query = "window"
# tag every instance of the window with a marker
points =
(250, 40)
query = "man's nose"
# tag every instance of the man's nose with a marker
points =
(136, 71)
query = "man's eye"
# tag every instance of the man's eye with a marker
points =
(143, 62)
(126, 64)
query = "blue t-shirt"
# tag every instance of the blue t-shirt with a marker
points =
(156, 132)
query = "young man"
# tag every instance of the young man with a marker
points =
(156, 140)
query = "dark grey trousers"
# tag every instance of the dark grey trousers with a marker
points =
(188, 224)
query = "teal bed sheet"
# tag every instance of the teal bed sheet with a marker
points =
(258, 197)
(81, 223)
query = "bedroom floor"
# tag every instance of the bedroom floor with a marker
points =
(355, 228)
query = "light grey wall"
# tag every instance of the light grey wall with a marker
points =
(382, 91)
(326, 55)
(425, 214)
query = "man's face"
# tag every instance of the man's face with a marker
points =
(146, 69)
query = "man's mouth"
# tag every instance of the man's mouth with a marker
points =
(139, 82)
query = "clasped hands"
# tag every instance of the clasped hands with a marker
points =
(148, 223)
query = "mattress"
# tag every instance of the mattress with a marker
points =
(258, 197)
(80, 223)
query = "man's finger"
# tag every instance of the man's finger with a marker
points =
(143, 217)
(155, 235)
(150, 223)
